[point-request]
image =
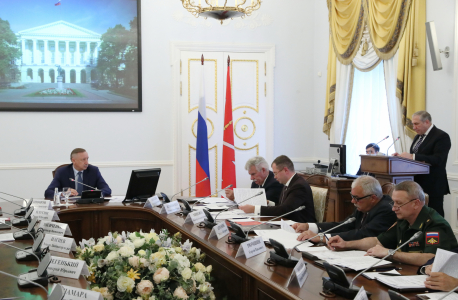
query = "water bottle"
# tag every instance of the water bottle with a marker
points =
(56, 197)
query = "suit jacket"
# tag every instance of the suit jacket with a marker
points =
(378, 220)
(91, 176)
(272, 187)
(433, 150)
(298, 193)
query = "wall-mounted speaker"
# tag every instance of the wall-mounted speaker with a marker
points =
(434, 46)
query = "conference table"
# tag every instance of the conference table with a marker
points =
(235, 278)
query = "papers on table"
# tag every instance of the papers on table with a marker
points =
(437, 296)
(446, 262)
(216, 200)
(288, 239)
(6, 237)
(373, 275)
(279, 222)
(285, 226)
(404, 282)
(243, 194)
(115, 199)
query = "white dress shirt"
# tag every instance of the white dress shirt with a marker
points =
(426, 134)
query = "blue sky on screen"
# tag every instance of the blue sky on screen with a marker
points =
(95, 15)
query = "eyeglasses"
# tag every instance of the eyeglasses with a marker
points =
(357, 199)
(396, 207)
(275, 173)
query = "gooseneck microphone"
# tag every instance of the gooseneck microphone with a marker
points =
(229, 186)
(94, 188)
(371, 147)
(22, 250)
(258, 194)
(18, 223)
(23, 236)
(23, 210)
(206, 178)
(251, 228)
(11, 202)
(351, 220)
(415, 236)
(391, 145)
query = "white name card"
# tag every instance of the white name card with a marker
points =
(170, 208)
(152, 202)
(45, 215)
(361, 294)
(73, 293)
(55, 228)
(195, 217)
(59, 243)
(251, 248)
(42, 204)
(299, 273)
(220, 230)
(66, 267)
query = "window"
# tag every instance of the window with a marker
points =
(368, 119)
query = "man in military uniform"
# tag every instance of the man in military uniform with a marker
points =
(409, 206)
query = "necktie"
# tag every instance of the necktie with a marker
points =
(417, 145)
(283, 192)
(362, 220)
(79, 186)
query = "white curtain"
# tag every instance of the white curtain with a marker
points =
(394, 107)
(369, 121)
(369, 60)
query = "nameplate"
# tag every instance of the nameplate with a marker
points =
(251, 248)
(362, 295)
(66, 267)
(195, 217)
(220, 230)
(73, 293)
(152, 202)
(59, 243)
(45, 215)
(55, 228)
(170, 208)
(42, 204)
(299, 273)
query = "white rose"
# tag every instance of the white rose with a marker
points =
(199, 276)
(209, 268)
(112, 256)
(134, 261)
(145, 288)
(133, 236)
(160, 275)
(98, 248)
(152, 298)
(200, 267)
(186, 273)
(212, 296)
(197, 252)
(126, 251)
(144, 262)
(138, 243)
(125, 284)
(101, 263)
(180, 293)
(142, 253)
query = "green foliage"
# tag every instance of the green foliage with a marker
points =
(8, 52)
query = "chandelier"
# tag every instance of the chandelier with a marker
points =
(213, 9)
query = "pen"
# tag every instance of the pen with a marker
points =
(389, 274)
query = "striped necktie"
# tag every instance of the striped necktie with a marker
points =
(417, 145)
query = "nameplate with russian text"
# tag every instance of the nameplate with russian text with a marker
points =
(299, 273)
(55, 228)
(220, 230)
(195, 217)
(170, 208)
(59, 243)
(42, 204)
(152, 202)
(251, 248)
(362, 295)
(66, 267)
(45, 215)
(73, 293)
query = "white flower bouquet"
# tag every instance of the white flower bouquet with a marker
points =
(146, 266)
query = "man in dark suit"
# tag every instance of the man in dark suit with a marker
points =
(373, 214)
(296, 192)
(371, 149)
(81, 171)
(430, 145)
(258, 169)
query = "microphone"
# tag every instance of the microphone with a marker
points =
(22, 234)
(94, 188)
(25, 219)
(24, 254)
(57, 293)
(230, 185)
(351, 220)
(448, 293)
(258, 194)
(379, 142)
(415, 236)
(22, 210)
(206, 178)
(392, 145)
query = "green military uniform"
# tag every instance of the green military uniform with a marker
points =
(437, 233)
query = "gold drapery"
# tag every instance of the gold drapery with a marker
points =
(346, 23)
(330, 90)
(386, 20)
(411, 81)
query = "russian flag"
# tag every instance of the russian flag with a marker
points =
(57, 4)
(202, 163)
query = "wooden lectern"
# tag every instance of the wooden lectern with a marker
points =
(393, 169)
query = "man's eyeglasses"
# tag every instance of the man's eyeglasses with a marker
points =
(275, 173)
(357, 199)
(396, 207)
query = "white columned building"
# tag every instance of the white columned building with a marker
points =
(71, 37)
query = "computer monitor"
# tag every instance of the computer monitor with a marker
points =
(337, 159)
(142, 184)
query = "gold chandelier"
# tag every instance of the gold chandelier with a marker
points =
(212, 8)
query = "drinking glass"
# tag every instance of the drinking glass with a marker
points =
(66, 191)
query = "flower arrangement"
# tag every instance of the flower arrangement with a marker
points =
(146, 266)
(53, 91)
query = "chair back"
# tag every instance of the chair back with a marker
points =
(320, 190)
(61, 166)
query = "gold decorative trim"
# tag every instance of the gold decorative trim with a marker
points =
(211, 123)
(257, 84)
(241, 149)
(216, 165)
(180, 66)
(215, 109)
(235, 126)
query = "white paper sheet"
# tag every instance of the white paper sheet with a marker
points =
(243, 194)
(288, 239)
(446, 262)
(358, 263)
(373, 275)
(6, 237)
(404, 282)
(279, 222)
(285, 226)
(436, 296)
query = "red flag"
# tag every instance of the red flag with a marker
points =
(228, 171)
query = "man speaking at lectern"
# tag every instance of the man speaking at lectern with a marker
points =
(81, 171)
(431, 145)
